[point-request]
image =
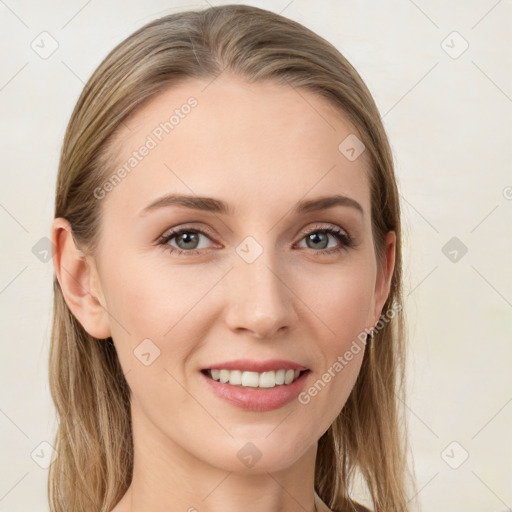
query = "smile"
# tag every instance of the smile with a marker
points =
(248, 379)
(256, 391)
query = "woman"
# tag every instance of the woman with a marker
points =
(227, 325)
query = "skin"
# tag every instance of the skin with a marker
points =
(261, 148)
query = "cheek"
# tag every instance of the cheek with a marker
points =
(156, 323)
(342, 301)
(341, 298)
(148, 299)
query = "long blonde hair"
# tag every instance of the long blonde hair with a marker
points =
(94, 443)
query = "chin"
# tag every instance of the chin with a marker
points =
(264, 452)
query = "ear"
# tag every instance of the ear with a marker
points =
(79, 281)
(385, 270)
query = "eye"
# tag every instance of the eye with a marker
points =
(191, 241)
(318, 239)
(187, 241)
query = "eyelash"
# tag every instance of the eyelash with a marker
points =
(346, 241)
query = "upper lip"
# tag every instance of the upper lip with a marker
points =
(251, 365)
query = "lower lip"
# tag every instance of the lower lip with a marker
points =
(258, 399)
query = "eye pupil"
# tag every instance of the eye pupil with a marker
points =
(318, 237)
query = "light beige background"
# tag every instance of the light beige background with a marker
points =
(448, 116)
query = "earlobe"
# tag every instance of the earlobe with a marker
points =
(78, 281)
(385, 274)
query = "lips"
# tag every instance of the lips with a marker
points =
(257, 398)
(250, 365)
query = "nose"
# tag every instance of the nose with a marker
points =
(260, 298)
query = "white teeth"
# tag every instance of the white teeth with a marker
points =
(267, 380)
(255, 379)
(250, 379)
(224, 376)
(235, 377)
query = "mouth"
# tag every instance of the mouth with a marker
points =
(256, 385)
(255, 380)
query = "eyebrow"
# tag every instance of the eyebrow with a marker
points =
(217, 206)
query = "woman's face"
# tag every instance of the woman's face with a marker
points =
(257, 279)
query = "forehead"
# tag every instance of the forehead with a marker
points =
(254, 144)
